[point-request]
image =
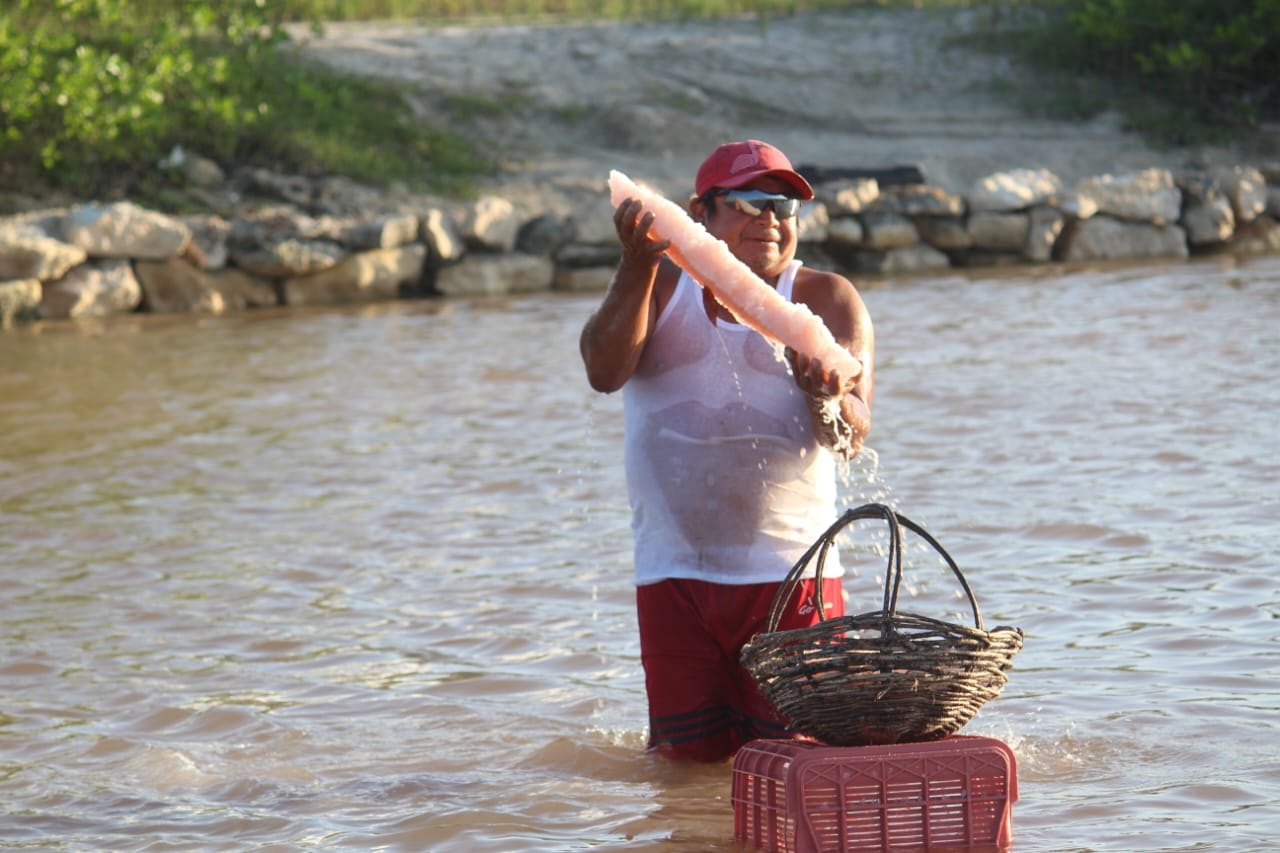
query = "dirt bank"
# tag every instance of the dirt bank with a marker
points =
(865, 87)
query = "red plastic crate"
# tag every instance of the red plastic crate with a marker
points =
(801, 797)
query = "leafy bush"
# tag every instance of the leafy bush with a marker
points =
(94, 92)
(1194, 62)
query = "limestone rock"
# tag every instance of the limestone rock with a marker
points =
(904, 259)
(208, 248)
(95, 289)
(948, 234)
(1146, 196)
(491, 224)
(849, 196)
(287, 258)
(845, 232)
(582, 279)
(917, 200)
(26, 251)
(999, 232)
(125, 230)
(439, 233)
(886, 231)
(1246, 188)
(589, 255)
(176, 286)
(19, 300)
(593, 221)
(1209, 221)
(1103, 238)
(1259, 237)
(378, 274)
(812, 225)
(545, 235)
(1017, 189)
(1043, 232)
(491, 274)
(383, 232)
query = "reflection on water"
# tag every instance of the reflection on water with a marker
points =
(360, 579)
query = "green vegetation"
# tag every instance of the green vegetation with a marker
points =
(94, 93)
(1181, 72)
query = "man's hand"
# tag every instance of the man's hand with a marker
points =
(633, 224)
(815, 380)
(829, 397)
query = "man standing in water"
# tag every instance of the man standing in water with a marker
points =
(730, 452)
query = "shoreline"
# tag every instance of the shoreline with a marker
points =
(96, 260)
(866, 89)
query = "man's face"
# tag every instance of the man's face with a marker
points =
(764, 242)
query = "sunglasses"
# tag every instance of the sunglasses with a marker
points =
(756, 202)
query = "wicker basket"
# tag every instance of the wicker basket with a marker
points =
(882, 677)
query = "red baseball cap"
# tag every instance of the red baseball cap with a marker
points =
(736, 163)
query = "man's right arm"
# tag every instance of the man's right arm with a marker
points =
(615, 335)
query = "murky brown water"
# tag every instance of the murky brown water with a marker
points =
(360, 579)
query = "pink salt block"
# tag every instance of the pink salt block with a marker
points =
(750, 299)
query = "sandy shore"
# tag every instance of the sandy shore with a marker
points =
(867, 87)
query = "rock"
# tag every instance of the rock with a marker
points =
(493, 274)
(918, 200)
(1078, 206)
(945, 233)
(1043, 232)
(846, 232)
(440, 234)
(203, 172)
(286, 258)
(1103, 238)
(124, 230)
(1018, 189)
(490, 224)
(241, 290)
(813, 223)
(1209, 221)
(95, 289)
(175, 286)
(209, 235)
(1146, 196)
(1246, 188)
(19, 301)
(999, 232)
(294, 189)
(178, 286)
(849, 196)
(381, 232)
(588, 255)
(582, 279)
(545, 235)
(593, 221)
(1259, 237)
(26, 251)
(886, 231)
(905, 259)
(378, 274)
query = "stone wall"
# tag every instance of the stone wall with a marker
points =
(301, 248)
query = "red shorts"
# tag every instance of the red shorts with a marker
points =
(702, 704)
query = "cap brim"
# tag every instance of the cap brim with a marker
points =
(793, 179)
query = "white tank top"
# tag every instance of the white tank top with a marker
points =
(726, 480)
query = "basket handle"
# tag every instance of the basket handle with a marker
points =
(893, 577)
